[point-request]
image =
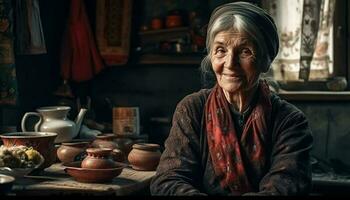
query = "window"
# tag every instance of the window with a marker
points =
(312, 47)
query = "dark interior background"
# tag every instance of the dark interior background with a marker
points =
(154, 88)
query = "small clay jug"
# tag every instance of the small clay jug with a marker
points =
(105, 141)
(71, 151)
(144, 156)
(124, 144)
(98, 158)
(117, 155)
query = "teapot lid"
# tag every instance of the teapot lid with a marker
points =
(53, 108)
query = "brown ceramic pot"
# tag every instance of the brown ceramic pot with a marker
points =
(118, 155)
(173, 21)
(144, 156)
(105, 141)
(124, 144)
(98, 158)
(156, 23)
(112, 141)
(71, 151)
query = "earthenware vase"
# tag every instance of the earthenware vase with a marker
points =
(144, 156)
(98, 158)
(105, 141)
(124, 144)
(118, 155)
(72, 151)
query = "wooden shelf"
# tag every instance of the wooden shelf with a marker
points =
(314, 95)
(163, 34)
(170, 59)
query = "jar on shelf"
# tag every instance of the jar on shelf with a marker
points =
(156, 23)
(174, 19)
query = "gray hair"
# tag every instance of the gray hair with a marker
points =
(244, 18)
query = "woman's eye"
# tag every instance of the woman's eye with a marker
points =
(220, 51)
(246, 52)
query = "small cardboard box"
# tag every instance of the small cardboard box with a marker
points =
(126, 121)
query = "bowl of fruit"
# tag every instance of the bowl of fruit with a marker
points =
(18, 161)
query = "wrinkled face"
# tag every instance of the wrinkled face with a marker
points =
(233, 61)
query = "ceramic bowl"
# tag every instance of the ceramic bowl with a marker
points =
(20, 172)
(16, 172)
(87, 175)
(6, 183)
(43, 142)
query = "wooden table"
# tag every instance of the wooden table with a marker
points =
(54, 181)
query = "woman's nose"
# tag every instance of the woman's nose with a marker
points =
(231, 60)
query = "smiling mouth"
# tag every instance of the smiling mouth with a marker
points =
(230, 76)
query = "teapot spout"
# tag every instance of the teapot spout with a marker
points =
(79, 120)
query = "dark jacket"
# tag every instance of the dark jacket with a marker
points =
(185, 167)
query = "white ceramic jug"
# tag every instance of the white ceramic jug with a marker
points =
(54, 119)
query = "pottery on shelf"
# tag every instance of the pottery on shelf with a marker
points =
(144, 156)
(98, 158)
(72, 151)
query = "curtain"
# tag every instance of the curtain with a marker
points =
(80, 59)
(8, 82)
(29, 31)
(113, 28)
(306, 38)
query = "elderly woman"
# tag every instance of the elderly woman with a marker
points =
(237, 138)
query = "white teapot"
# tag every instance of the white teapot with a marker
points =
(54, 119)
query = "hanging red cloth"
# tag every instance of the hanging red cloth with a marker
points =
(80, 60)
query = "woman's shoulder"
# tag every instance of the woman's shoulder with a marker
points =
(195, 98)
(282, 108)
(193, 102)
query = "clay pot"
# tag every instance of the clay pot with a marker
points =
(173, 21)
(118, 155)
(113, 141)
(124, 144)
(144, 156)
(71, 151)
(105, 141)
(156, 23)
(98, 158)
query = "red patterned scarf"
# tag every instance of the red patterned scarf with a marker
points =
(231, 156)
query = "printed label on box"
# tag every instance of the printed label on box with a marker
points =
(126, 121)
